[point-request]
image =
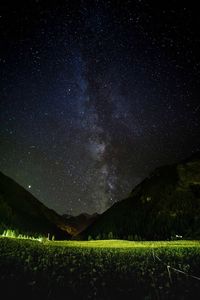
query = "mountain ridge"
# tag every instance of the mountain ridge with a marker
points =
(21, 211)
(164, 204)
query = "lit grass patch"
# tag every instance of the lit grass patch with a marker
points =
(125, 244)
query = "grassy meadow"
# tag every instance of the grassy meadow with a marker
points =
(108, 269)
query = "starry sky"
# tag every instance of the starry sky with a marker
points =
(96, 94)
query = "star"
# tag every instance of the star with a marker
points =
(91, 103)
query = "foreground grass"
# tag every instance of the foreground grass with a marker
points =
(126, 244)
(99, 269)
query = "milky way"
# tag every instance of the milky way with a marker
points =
(94, 95)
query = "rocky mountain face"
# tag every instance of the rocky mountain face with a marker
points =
(80, 222)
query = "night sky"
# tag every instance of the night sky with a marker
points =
(96, 94)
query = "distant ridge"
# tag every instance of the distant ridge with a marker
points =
(80, 222)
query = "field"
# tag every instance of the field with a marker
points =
(109, 269)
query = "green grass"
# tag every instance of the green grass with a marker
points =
(125, 244)
(111, 269)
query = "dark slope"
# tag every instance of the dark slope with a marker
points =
(163, 205)
(20, 210)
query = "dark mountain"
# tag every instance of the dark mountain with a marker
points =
(165, 204)
(21, 211)
(80, 222)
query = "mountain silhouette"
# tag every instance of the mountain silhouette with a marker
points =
(22, 212)
(163, 206)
